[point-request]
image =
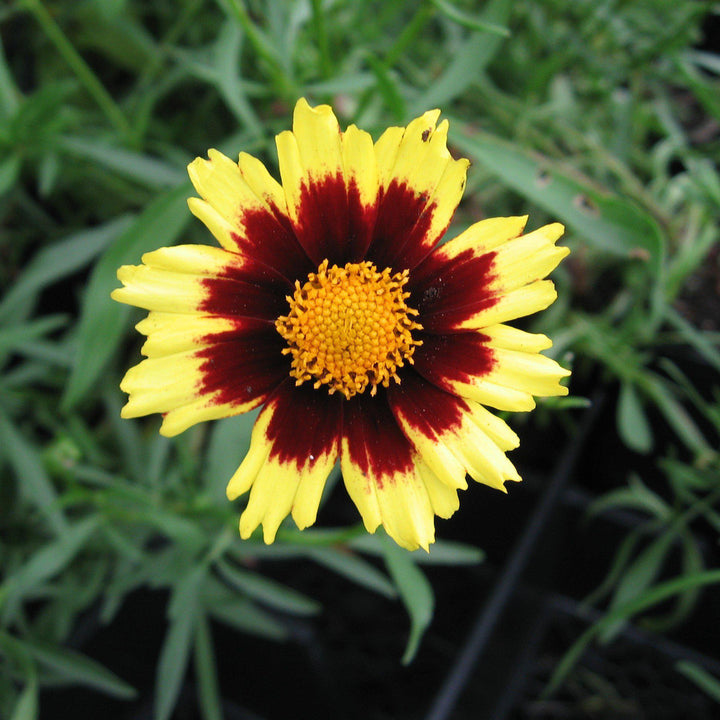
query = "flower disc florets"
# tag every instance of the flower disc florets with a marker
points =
(349, 328)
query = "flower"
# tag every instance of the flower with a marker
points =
(331, 304)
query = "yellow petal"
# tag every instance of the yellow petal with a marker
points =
(420, 188)
(287, 465)
(439, 424)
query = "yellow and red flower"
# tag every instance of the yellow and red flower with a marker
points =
(331, 303)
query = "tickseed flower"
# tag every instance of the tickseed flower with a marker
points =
(331, 303)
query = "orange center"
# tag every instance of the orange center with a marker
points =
(349, 328)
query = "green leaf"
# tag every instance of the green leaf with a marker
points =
(353, 568)
(387, 87)
(468, 61)
(13, 337)
(416, 594)
(103, 321)
(268, 591)
(226, 75)
(619, 562)
(637, 578)
(33, 482)
(26, 707)
(206, 671)
(48, 562)
(708, 683)
(699, 340)
(442, 552)
(59, 260)
(145, 170)
(636, 495)
(240, 613)
(9, 94)
(613, 224)
(9, 172)
(676, 416)
(183, 613)
(632, 422)
(75, 667)
(657, 595)
(469, 21)
(705, 91)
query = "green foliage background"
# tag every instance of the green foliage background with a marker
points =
(603, 115)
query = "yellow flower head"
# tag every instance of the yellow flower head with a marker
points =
(331, 304)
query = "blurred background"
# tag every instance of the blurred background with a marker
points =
(590, 591)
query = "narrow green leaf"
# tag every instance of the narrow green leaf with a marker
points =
(26, 707)
(33, 482)
(206, 671)
(48, 561)
(353, 568)
(416, 594)
(708, 683)
(48, 173)
(268, 591)
(613, 224)
(653, 597)
(468, 62)
(240, 613)
(692, 563)
(82, 70)
(9, 94)
(637, 578)
(9, 172)
(59, 260)
(226, 55)
(442, 552)
(142, 169)
(632, 422)
(183, 614)
(469, 21)
(636, 496)
(619, 562)
(387, 87)
(676, 416)
(694, 337)
(705, 91)
(446, 552)
(78, 668)
(103, 321)
(14, 336)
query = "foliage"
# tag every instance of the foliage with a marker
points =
(603, 115)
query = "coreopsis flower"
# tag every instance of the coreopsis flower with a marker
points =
(331, 303)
